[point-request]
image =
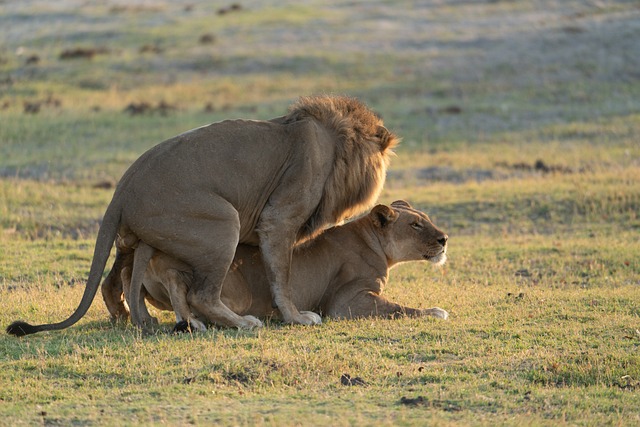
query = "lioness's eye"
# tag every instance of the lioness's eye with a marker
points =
(417, 226)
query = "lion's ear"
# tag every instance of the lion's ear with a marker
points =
(383, 215)
(387, 139)
(401, 204)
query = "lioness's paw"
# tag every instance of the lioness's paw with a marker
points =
(309, 318)
(250, 322)
(439, 313)
(181, 327)
(192, 326)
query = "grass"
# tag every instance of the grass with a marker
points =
(513, 350)
(543, 276)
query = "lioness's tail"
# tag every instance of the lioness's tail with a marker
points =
(104, 242)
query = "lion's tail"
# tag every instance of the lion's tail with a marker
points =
(104, 242)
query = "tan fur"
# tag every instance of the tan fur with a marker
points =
(341, 273)
(267, 183)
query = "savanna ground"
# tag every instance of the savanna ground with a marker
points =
(521, 127)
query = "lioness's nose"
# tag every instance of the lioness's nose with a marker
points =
(443, 240)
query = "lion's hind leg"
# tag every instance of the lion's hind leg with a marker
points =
(209, 252)
(206, 301)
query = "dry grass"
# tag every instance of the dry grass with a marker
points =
(542, 282)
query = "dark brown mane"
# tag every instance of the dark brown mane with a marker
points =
(332, 112)
(363, 147)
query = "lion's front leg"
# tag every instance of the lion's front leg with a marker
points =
(281, 223)
(277, 262)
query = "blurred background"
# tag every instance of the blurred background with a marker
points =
(482, 91)
(441, 73)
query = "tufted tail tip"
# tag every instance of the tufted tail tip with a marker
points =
(20, 329)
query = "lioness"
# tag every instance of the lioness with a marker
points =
(341, 273)
(270, 183)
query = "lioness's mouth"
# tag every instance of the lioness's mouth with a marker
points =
(439, 259)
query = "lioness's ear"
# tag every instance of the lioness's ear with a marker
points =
(383, 215)
(387, 139)
(401, 204)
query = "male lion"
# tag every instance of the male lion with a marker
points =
(269, 183)
(341, 273)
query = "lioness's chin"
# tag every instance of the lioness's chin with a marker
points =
(439, 259)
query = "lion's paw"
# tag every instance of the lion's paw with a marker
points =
(250, 322)
(197, 325)
(309, 318)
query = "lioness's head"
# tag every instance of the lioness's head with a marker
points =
(407, 234)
